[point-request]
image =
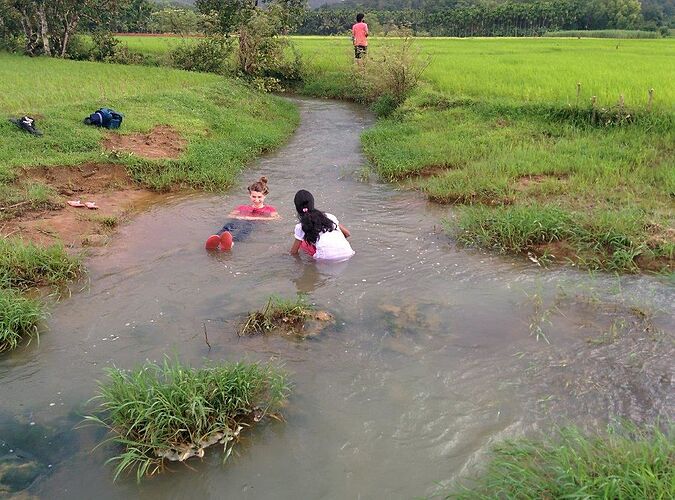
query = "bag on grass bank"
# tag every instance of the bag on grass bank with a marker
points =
(105, 117)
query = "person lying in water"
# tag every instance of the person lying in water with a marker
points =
(319, 234)
(241, 227)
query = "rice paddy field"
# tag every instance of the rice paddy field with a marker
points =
(525, 70)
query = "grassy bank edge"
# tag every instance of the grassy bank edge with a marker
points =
(25, 266)
(623, 463)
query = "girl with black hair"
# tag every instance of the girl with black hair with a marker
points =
(319, 234)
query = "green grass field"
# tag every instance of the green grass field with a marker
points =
(225, 124)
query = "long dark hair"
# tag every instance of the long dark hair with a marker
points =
(313, 221)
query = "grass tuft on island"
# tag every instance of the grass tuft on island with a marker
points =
(627, 463)
(171, 411)
(278, 313)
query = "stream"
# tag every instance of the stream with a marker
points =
(437, 352)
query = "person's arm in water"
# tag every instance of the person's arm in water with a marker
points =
(295, 249)
(345, 231)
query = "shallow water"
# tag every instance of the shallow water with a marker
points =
(437, 351)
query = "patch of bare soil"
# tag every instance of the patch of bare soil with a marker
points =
(108, 185)
(528, 181)
(160, 143)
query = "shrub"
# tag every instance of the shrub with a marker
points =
(261, 52)
(209, 55)
(384, 105)
(105, 45)
(396, 74)
(79, 49)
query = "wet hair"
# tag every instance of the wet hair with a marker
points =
(359, 17)
(313, 221)
(260, 186)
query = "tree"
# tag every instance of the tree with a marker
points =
(232, 14)
(179, 21)
(48, 25)
(624, 14)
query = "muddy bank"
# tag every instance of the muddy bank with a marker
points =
(107, 185)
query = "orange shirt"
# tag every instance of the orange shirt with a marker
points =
(360, 32)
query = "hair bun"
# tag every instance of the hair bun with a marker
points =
(263, 179)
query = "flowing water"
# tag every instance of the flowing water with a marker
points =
(437, 352)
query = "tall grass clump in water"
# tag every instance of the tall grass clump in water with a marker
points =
(19, 317)
(630, 465)
(171, 411)
(26, 265)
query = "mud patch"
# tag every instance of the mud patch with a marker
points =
(528, 181)
(108, 185)
(162, 142)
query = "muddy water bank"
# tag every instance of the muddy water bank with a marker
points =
(436, 352)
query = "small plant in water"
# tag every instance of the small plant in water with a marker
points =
(172, 412)
(289, 314)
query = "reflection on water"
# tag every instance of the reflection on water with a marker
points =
(436, 352)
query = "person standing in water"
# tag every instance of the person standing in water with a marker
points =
(243, 216)
(319, 234)
(360, 39)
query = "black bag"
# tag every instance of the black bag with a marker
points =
(105, 117)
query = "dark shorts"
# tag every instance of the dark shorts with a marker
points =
(360, 51)
(240, 229)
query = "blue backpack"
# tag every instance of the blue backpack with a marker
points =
(105, 117)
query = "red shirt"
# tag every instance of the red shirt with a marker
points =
(248, 210)
(360, 32)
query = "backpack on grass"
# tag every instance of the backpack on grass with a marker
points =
(105, 117)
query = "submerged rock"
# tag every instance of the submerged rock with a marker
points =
(17, 472)
(182, 452)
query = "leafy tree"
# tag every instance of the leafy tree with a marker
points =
(179, 21)
(48, 25)
(232, 14)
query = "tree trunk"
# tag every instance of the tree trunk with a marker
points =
(69, 29)
(44, 30)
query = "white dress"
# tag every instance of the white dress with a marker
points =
(331, 245)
